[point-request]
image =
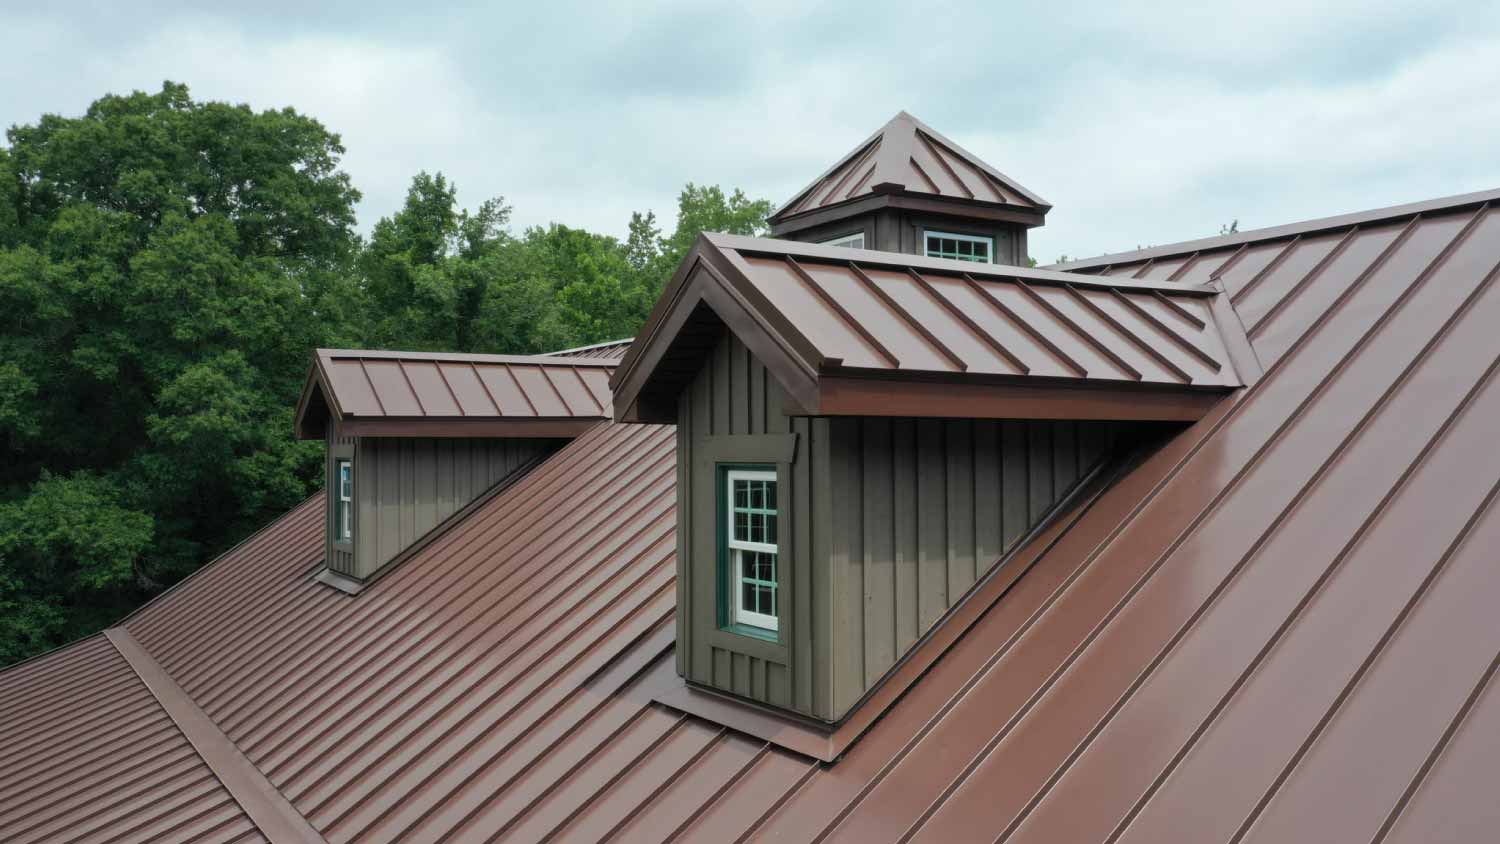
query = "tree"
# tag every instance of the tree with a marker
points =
(708, 209)
(165, 266)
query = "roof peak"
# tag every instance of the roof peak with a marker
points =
(908, 156)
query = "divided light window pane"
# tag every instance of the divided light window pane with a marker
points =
(960, 247)
(848, 241)
(752, 550)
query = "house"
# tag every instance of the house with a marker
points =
(872, 534)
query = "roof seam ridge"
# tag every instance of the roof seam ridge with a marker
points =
(1307, 279)
(1441, 747)
(1316, 587)
(261, 801)
(640, 580)
(734, 780)
(1233, 483)
(298, 670)
(162, 600)
(654, 650)
(1271, 266)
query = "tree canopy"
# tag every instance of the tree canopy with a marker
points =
(166, 265)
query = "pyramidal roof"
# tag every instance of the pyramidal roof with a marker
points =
(908, 156)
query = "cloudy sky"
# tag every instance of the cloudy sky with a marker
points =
(1140, 123)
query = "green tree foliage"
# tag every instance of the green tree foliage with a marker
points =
(166, 266)
(438, 277)
(161, 261)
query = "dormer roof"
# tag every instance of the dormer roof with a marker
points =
(432, 394)
(855, 332)
(908, 158)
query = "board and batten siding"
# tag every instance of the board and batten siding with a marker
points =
(338, 556)
(885, 523)
(406, 486)
(895, 230)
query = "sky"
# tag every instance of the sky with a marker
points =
(1141, 123)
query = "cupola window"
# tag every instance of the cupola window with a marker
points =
(750, 548)
(848, 241)
(961, 247)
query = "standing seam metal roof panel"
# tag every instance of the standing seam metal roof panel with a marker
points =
(88, 755)
(1221, 647)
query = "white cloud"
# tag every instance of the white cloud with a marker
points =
(1142, 123)
(1170, 158)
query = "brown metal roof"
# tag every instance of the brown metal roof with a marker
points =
(840, 327)
(88, 755)
(433, 394)
(448, 694)
(1280, 627)
(611, 350)
(1178, 253)
(907, 156)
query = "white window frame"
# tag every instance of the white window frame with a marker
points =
(344, 498)
(971, 238)
(738, 614)
(846, 241)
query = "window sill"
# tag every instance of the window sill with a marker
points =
(753, 632)
(768, 647)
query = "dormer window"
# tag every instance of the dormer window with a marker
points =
(847, 241)
(865, 439)
(343, 517)
(431, 436)
(750, 549)
(960, 247)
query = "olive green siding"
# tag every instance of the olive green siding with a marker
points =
(885, 525)
(924, 508)
(339, 555)
(732, 414)
(406, 486)
(898, 230)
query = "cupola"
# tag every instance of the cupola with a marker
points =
(908, 189)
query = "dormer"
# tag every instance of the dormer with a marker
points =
(908, 189)
(417, 439)
(864, 437)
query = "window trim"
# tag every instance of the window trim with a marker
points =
(343, 501)
(842, 241)
(988, 240)
(734, 617)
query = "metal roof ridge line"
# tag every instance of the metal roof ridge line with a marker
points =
(269, 809)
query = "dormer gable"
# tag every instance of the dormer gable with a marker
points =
(864, 438)
(417, 439)
(857, 333)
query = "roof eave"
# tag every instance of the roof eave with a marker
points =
(896, 196)
(315, 385)
(714, 276)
